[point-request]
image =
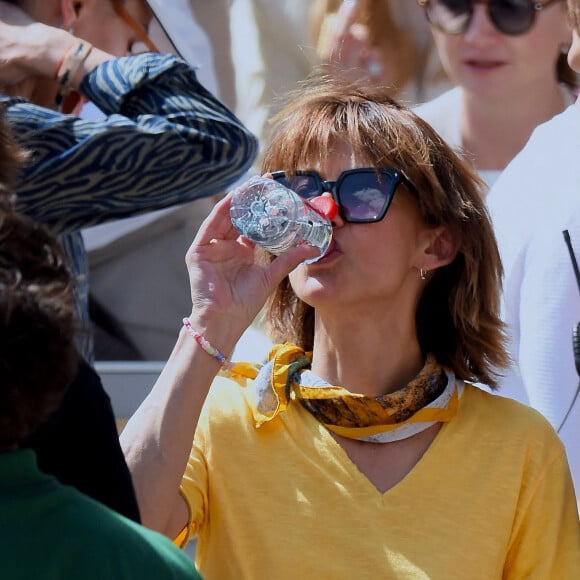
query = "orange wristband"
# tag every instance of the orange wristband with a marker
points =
(60, 61)
(68, 66)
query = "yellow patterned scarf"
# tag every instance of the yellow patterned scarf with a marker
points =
(431, 397)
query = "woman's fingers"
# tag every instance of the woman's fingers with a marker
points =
(218, 224)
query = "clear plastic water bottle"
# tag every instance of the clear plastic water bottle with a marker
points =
(276, 218)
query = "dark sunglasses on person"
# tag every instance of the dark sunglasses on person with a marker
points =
(511, 17)
(362, 195)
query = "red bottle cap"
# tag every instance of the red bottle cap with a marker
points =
(324, 205)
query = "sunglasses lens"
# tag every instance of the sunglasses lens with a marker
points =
(508, 16)
(306, 186)
(364, 197)
(512, 16)
(450, 16)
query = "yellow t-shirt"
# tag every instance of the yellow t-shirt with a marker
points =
(492, 497)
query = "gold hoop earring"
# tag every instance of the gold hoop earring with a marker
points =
(423, 273)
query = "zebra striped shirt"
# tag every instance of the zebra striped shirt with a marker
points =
(164, 140)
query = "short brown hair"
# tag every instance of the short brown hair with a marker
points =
(457, 318)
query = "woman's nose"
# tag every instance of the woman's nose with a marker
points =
(480, 23)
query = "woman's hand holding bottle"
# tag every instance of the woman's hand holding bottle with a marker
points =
(229, 283)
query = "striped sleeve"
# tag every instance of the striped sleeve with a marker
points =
(164, 140)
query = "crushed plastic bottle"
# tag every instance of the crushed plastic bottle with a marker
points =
(277, 219)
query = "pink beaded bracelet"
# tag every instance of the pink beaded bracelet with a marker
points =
(205, 345)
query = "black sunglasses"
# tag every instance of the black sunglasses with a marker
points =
(511, 17)
(362, 195)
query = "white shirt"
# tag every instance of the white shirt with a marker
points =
(534, 200)
(443, 113)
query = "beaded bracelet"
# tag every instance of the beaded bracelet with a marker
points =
(207, 347)
(68, 66)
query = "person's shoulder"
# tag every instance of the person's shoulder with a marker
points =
(547, 163)
(549, 142)
(443, 113)
(228, 396)
(498, 406)
(510, 419)
(118, 545)
(440, 106)
(568, 119)
(157, 554)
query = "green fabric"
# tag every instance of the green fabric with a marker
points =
(52, 531)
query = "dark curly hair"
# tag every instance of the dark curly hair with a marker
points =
(12, 156)
(38, 358)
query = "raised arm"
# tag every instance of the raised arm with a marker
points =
(228, 289)
(163, 139)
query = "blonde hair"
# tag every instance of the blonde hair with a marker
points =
(457, 318)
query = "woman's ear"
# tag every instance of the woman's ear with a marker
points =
(440, 249)
(70, 12)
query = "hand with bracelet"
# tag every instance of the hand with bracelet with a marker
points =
(32, 51)
(229, 285)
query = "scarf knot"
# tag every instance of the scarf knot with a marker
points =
(429, 398)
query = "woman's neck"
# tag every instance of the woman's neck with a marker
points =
(493, 132)
(364, 358)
